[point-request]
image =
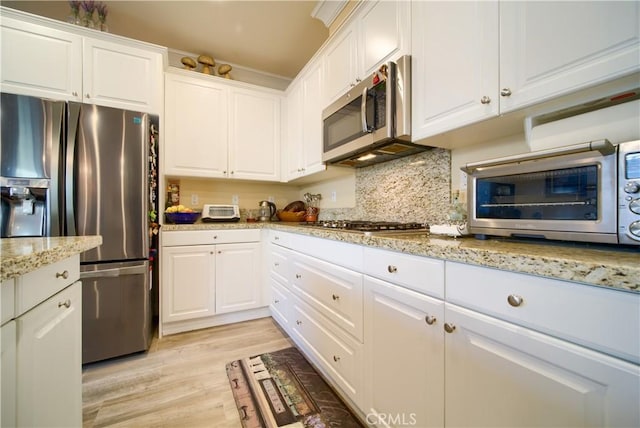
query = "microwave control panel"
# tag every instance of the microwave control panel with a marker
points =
(629, 192)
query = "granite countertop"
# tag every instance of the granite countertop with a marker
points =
(589, 264)
(19, 256)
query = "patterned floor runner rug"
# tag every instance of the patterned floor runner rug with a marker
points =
(281, 389)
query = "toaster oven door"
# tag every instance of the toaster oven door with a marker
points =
(568, 197)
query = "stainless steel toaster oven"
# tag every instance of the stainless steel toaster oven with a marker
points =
(587, 192)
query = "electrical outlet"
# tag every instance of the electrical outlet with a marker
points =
(334, 196)
(271, 199)
(463, 180)
(194, 200)
(234, 199)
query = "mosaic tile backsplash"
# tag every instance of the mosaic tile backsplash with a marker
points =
(411, 189)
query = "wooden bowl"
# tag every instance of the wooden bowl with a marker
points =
(297, 216)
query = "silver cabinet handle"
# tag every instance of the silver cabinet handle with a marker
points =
(358, 80)
(63, 275)
(276, 301)
(392, 269)
(298, 276)
(276, 264)
(74, 93)
(219, 251)
(66, 303)
(298, 322)
(431, 320)
(276, 238)
(485, 100)
(505, 92)
(224, 172)
(335, 297)
(449, 328)
(88, 96)
(215, 236)
(336, 358)
(515, 300)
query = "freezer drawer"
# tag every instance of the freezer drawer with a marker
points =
(116, 310)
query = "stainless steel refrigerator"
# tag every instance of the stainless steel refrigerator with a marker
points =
(97, 169)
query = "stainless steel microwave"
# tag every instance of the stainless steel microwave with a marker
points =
(587, 192)
(371, 123)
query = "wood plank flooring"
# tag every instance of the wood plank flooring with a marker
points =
(180, 382)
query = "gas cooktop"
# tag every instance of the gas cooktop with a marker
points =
(370, 227)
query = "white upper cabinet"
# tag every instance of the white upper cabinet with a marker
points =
(40, 61)
(380, 31)
(303, 154)
(125, 77)
(216, 129)
(454, 67)
(552, 48)
(254, 135)
(477, 60)
(45, 60)
(196, 127)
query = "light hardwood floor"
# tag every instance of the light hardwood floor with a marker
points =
(180, 382)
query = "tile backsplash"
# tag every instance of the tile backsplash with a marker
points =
(411, 189)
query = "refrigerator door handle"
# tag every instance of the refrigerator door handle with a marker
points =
(72, 132)
(54, 223)
(130, 270)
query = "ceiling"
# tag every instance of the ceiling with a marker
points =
(277, 37)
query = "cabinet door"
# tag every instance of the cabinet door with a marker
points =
(196, 127)
(8, 365)
(553, 48)
(385, 34)
(254, 137)
(340, 64)
(40, 61)
(280, 304)
(293, 154)
(238, 277)
(49, 353)
(498, 374)
(404, 356)
(188, 282)
(454, 67)
(313, 89)
(122, 76)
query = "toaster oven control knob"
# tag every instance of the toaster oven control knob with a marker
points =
(634, 206)
(634, 228)
(631, 187)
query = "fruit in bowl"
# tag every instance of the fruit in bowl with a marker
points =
(179, 214)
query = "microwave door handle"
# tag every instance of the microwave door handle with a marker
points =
(363, 111)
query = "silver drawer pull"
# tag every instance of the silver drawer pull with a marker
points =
(431, 320)
(276, 238)
(276, 301)
(515, 300)
(449, 328)
(335, 297)
(298, 322)
(298, 276)
(336, 358)
(64, 275)
(66, 303)
(392, 269)
(276, 264)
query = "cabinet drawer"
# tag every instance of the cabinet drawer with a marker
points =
(336, 354)
(8, 300)
(280, 304)
(279, 263)
(334, 291)
(206, 237)
(37, 286)
(422, 274)
(598, 318)
(339, 253)
(279, 238)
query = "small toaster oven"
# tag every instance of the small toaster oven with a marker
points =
(220, 213)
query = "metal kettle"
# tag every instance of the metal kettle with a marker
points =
(266, 211)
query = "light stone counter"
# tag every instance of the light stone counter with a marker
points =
(588, 264)
(19, 256)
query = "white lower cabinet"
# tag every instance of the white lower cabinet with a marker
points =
(281, 304)
(338, 355)
(404, 356)
(8, 378)
(49, 356)
(500, 374)
(210, 278)
(237, 277)
(188, 275)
